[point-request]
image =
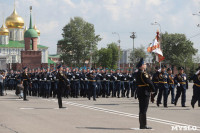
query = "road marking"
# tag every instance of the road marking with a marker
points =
(41, 108)
(172, 123)
(27, 108)
(139, 129)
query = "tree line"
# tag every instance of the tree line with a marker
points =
(79, 46)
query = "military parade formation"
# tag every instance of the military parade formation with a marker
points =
(94, 83)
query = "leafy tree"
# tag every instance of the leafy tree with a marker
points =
(108, 57)
(105, 57)
(177, 49)
(138, 53)
(115, 54)
(79, 40)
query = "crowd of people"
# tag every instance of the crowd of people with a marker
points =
(86, 82)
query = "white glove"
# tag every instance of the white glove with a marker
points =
(45, 79)
(73, 77)
(159, 70)
(178, 84)
(197, 72)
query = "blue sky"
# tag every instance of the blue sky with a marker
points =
(121, 16)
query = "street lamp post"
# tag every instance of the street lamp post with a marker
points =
(195, 14)
(133, 36)
(119, 48)
(156, 23)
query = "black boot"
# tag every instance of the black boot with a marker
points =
(143, 122)
(59, 102)
(192, 105)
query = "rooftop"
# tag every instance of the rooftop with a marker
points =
(18, 44)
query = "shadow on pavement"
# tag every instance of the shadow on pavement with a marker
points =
(175, 109)
(106, 104)
(103, 128)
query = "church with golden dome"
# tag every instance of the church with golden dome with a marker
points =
(12, 41)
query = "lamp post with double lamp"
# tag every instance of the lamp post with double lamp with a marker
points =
(133, 36)
(156, 23)
(119, 48)
(197, 14)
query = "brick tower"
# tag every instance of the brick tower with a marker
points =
(31, 57)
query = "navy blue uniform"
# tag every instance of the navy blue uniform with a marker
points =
(145, 86)
(163, 88)
(182, 85)
(99, 79)
(62, 84)
(118, 83)
(92, 86)
(171, 87)
(11, 81)
(133, 84)
(112, 85)
(35, 83)
(123, 78)
(26, 82)
(155, 80)
(196, 89)
(127, 80)
(76, 82)
(84, 84)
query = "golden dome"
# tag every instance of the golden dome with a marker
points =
(34, 27)
(4, 30)
(14, 21)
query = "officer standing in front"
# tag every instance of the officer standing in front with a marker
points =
(62, 83)
(145, 87)
(26, 82)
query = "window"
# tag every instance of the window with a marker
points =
(11, 36)
(13, 59)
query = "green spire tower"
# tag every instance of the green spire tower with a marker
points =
(31, 33)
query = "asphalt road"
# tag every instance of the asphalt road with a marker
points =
(106, 115)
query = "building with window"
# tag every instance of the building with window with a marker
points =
(12, 41)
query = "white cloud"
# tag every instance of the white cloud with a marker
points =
(122, 16)
(48, 27)
(153, 2)
(70, 3)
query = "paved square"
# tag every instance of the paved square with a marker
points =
(106, 115)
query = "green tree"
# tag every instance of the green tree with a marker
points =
(138, 53)
(177, 49)
(114, 49)
(79, 40)
(105, 57)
